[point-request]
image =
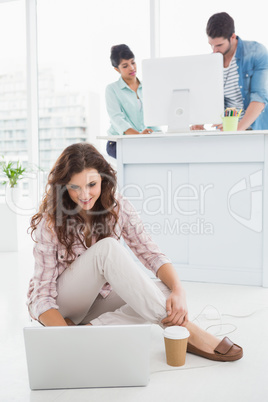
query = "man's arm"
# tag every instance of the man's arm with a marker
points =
(258, 86)
(251, 114)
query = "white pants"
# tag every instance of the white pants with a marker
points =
(135, 297)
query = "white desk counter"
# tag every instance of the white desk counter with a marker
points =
(203, 196)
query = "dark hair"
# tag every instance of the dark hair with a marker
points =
(220, 25)
(61, 212)
(120, 52)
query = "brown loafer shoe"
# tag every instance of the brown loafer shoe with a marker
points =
(226, 351)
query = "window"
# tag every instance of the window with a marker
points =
(74, 41)
(183, 24)
(13, 133)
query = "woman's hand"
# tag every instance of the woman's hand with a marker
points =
(147, 131)
(52, 318)
(197, 127)
(177, 310)
(69, 322)
(131, 131)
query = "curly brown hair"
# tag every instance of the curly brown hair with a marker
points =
(60, 210)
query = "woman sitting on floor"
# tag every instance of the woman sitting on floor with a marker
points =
(83, 275)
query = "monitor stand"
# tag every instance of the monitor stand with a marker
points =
(178, 115)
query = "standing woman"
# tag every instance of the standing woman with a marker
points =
(83, 275)
(124, 98)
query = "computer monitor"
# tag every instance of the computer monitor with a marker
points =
(182, 91)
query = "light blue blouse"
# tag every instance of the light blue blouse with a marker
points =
(124, 108)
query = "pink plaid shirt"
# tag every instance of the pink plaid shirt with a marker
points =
(50, 257)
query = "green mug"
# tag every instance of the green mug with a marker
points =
(230, 123)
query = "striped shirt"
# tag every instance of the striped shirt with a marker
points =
(232, 93)
(50, 257)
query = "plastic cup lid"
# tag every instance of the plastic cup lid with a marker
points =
(176, 332)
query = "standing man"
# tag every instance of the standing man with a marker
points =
(245, 72)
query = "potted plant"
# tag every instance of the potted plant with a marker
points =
(10, 175)
(12, 172)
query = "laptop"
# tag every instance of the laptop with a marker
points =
(88, 356)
